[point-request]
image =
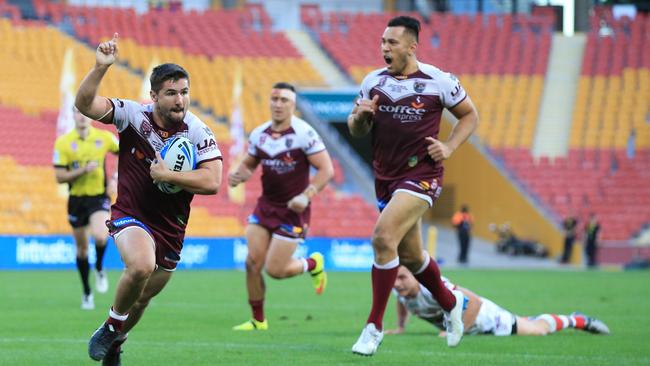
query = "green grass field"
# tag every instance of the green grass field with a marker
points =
(189, 323)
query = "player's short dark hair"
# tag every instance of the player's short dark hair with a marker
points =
(284, 85)
(410, 24)
(164, 72)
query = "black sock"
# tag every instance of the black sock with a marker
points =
(100, 256)
(83, 267)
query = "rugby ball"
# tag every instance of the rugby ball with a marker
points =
(179, 154)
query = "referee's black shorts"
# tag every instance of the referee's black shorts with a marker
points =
(81, 207)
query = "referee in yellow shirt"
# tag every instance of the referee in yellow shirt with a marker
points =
(79, 160)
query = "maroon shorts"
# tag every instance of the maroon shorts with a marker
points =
(281, 221)
(426, 188)
(167, 257)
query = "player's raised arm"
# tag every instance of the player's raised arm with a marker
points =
(360, 120)
(87, 101)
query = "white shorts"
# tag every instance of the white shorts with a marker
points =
(492, 319)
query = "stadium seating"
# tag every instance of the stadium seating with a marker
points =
(10, 11)
(605, 182)
(33, 60)
(613, 99)
(26, 155)
(502, 44)
(33, 55)
(222, 41)
(501, 60)
(326, 207)
(30, 200)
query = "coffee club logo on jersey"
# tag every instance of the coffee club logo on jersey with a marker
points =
(405, 113)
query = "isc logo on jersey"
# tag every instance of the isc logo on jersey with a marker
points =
(179, 155)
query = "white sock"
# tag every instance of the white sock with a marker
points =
(304, 264)
(391, 264)
(117, 316)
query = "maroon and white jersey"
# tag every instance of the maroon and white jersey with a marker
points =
(283, 156)
(409, 109)
(140, 138)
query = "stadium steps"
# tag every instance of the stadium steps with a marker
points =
(614, 90)
(554, 125)
(318, 59)
(598, 174)
(359, 173)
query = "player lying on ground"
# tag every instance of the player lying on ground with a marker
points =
(481, 316)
